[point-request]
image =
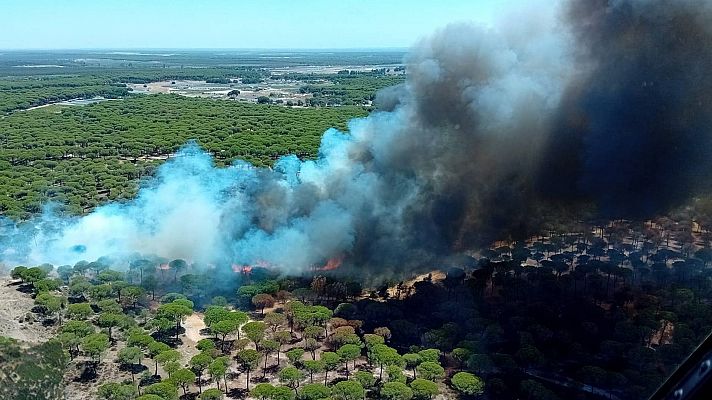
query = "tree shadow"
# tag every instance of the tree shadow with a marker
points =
(76, 299)
(39, 310)
(168, 337)
(225, 347)
(203, 381)
(27, 288)
(89, 371)
(336, 380)
(272, 369)
(149, 380)
(237, 393)
(135, 368)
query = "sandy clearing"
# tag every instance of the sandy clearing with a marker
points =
(13, 306)
(281, 90)
(153, 87)
(193, 324)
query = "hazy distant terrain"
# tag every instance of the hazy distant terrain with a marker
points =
(38, 59)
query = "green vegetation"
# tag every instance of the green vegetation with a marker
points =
(102, 315)
(23, 94)
(117, 391)
(33, 372)
(85, 156)
(468, 383)
(346, 89)
(204, 62)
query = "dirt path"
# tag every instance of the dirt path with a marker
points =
(193, 325)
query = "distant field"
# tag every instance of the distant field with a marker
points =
(35, 78)
(346, 88)
(12, 62)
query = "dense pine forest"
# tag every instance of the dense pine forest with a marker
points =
(81, 156)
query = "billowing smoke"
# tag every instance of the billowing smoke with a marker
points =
(608, 107)
(634, 131)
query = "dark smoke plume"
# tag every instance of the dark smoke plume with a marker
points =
(634, 133)
(606, 108)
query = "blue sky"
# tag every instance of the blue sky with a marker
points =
(45, 24)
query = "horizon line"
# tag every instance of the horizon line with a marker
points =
(385, 48)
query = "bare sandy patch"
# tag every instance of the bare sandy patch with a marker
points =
(14, 305)
(193, 325)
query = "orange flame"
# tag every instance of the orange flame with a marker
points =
(332, 264)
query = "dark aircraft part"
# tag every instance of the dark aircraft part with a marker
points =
(692, 380)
